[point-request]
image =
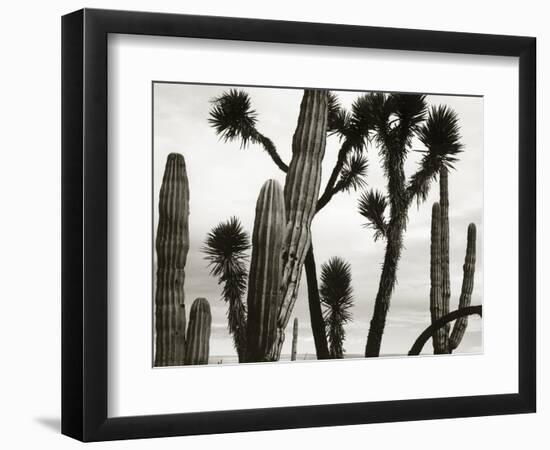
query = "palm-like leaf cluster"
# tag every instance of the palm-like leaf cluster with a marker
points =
(372, 206)
(337, 298)
(233, 118)
(338, 117)
(226, 249)
(440, 134)
(353, 173)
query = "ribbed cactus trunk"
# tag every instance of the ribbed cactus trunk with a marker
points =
(467, 287)
(172, 245)
(197, 346)
(294, 339)
(301, 193)
(264, 283)
(445, 270)
(440, 337)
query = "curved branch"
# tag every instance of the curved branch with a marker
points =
(269, 147)
(331, 188)
(442, 321)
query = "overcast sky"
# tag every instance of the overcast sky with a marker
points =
(225, 181)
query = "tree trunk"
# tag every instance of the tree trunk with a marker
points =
(315, 314)
(387, 283)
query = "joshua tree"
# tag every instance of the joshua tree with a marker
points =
(233, 118)
(226, 249)
(337, 298)
(397, 119)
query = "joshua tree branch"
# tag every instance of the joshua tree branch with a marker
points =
(270, 148)
(441, 322)
(332, 186)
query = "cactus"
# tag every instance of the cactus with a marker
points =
(264, 283)
(301, 193)
(445, 270)
(172, 245)
(197, 345)
(440, 337)
(294, 339)
(467, 287)
(443, 341)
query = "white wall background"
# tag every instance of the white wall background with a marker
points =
(30, 230)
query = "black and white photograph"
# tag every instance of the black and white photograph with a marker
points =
(313, 224)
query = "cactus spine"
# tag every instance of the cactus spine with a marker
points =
(467, 287)
(172, 245)
(440, 337)
(197, 348)
(301, 193)
(264, 283)
(294, 339)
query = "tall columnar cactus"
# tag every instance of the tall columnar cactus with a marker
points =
(264, 282)
(172, 245)
(445, 270)
(197, 346)
(443, 341)
(440, 337)
(294, 339)
(467, 287)
(301, 193)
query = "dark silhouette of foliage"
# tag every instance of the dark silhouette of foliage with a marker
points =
(398, 119)
(372, 206)
(233, 119)
(337, 297)
(226, 249)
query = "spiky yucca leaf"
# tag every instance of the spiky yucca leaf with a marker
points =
(378, 108)
(441, 136)
(372, 206)
(337, 298)
(233, 118)
(338, 118)
(353, 173)
(410, 110)
(226, 249)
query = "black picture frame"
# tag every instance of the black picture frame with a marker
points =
(84, 224)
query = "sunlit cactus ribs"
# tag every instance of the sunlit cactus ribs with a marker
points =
(440, 337)
(300, 194)
(467, 288)
(443, 341)
(233, 119)
(172, 245)
(264, 282)
(197, 348)
(445, 256)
